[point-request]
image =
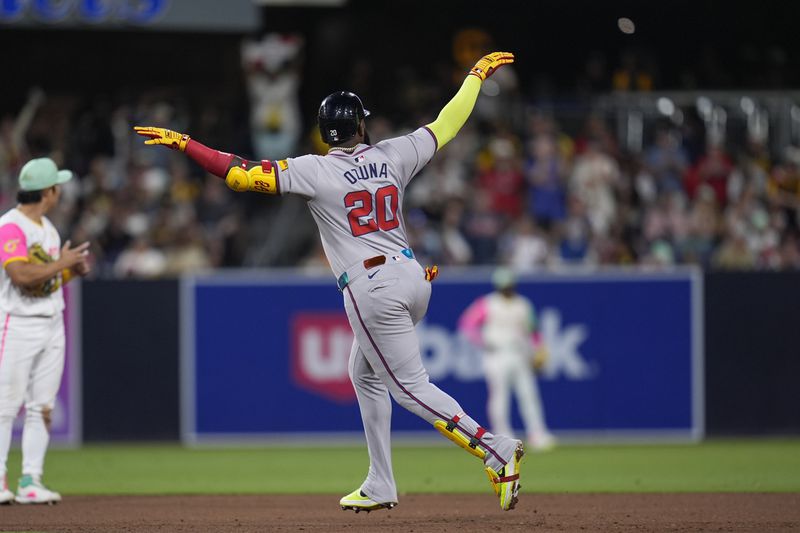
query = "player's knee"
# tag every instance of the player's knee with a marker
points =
(39, 412)
(47, 418)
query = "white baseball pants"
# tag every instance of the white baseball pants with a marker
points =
(508, 371)
(31, 364)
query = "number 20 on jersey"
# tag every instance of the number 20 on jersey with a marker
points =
(364, 219)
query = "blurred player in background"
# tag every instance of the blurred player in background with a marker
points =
(32, 342)
(355, 194)
(272, 68)
(503, 325)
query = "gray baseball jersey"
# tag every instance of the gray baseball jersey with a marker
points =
(356, 197)
(356, 200)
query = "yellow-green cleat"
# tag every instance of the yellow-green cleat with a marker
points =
(358, 501)
(506, 482)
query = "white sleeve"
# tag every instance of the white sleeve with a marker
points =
(297, 175)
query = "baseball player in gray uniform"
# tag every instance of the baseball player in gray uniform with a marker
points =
(355, 194)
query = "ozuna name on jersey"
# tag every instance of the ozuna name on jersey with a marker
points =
(366, 172)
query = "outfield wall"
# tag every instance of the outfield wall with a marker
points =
(130, 332)
(752, 352)
(264, 357)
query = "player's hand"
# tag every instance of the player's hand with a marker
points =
(83, 268)
(172, 139)
(71, 257)
(486, 66)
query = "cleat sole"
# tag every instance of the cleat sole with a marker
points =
(367, 510)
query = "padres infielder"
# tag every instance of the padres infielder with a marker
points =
(503, 325)
(355, 194)
(32, 344)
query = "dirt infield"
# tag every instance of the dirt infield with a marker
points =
(415, 514)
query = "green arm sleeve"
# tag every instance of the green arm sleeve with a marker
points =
(456, 112)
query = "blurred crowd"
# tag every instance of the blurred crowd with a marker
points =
(148, 213)
(514, 187)
(540, 197)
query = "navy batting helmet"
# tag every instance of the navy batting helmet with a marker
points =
(339, 115)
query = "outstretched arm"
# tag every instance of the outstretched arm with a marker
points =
(457, 111)
(240, 174)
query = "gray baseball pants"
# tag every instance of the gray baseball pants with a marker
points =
(383, 304)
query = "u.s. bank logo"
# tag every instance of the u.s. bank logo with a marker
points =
(321, 344)
(447, 354)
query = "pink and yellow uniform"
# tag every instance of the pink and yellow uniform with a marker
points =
(32, 332)
(503, 326)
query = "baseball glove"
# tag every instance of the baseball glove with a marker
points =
(37, 256)
(540, 357)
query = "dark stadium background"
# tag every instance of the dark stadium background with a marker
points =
(703, 44)
(698, 45)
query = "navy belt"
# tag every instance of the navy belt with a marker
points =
(372, 262)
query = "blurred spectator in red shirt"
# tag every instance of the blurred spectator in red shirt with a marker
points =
(711, 170)
(503, 179)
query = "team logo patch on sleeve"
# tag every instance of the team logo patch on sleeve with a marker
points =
(283, 164)
(11, 246)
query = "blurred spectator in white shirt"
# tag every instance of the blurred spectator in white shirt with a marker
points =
(593, 180)
(527, 248)
(140, 260)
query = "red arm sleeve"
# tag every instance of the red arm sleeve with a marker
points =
(213, 161)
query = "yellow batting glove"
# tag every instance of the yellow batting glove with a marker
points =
(431, 273)
(486, 66)
(169, 138)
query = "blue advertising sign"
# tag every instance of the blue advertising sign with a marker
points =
(239, 16)
(266, 357)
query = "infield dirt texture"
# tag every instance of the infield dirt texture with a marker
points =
(416, 513)
(729, 485)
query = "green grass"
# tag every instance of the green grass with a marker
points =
(764, 465)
